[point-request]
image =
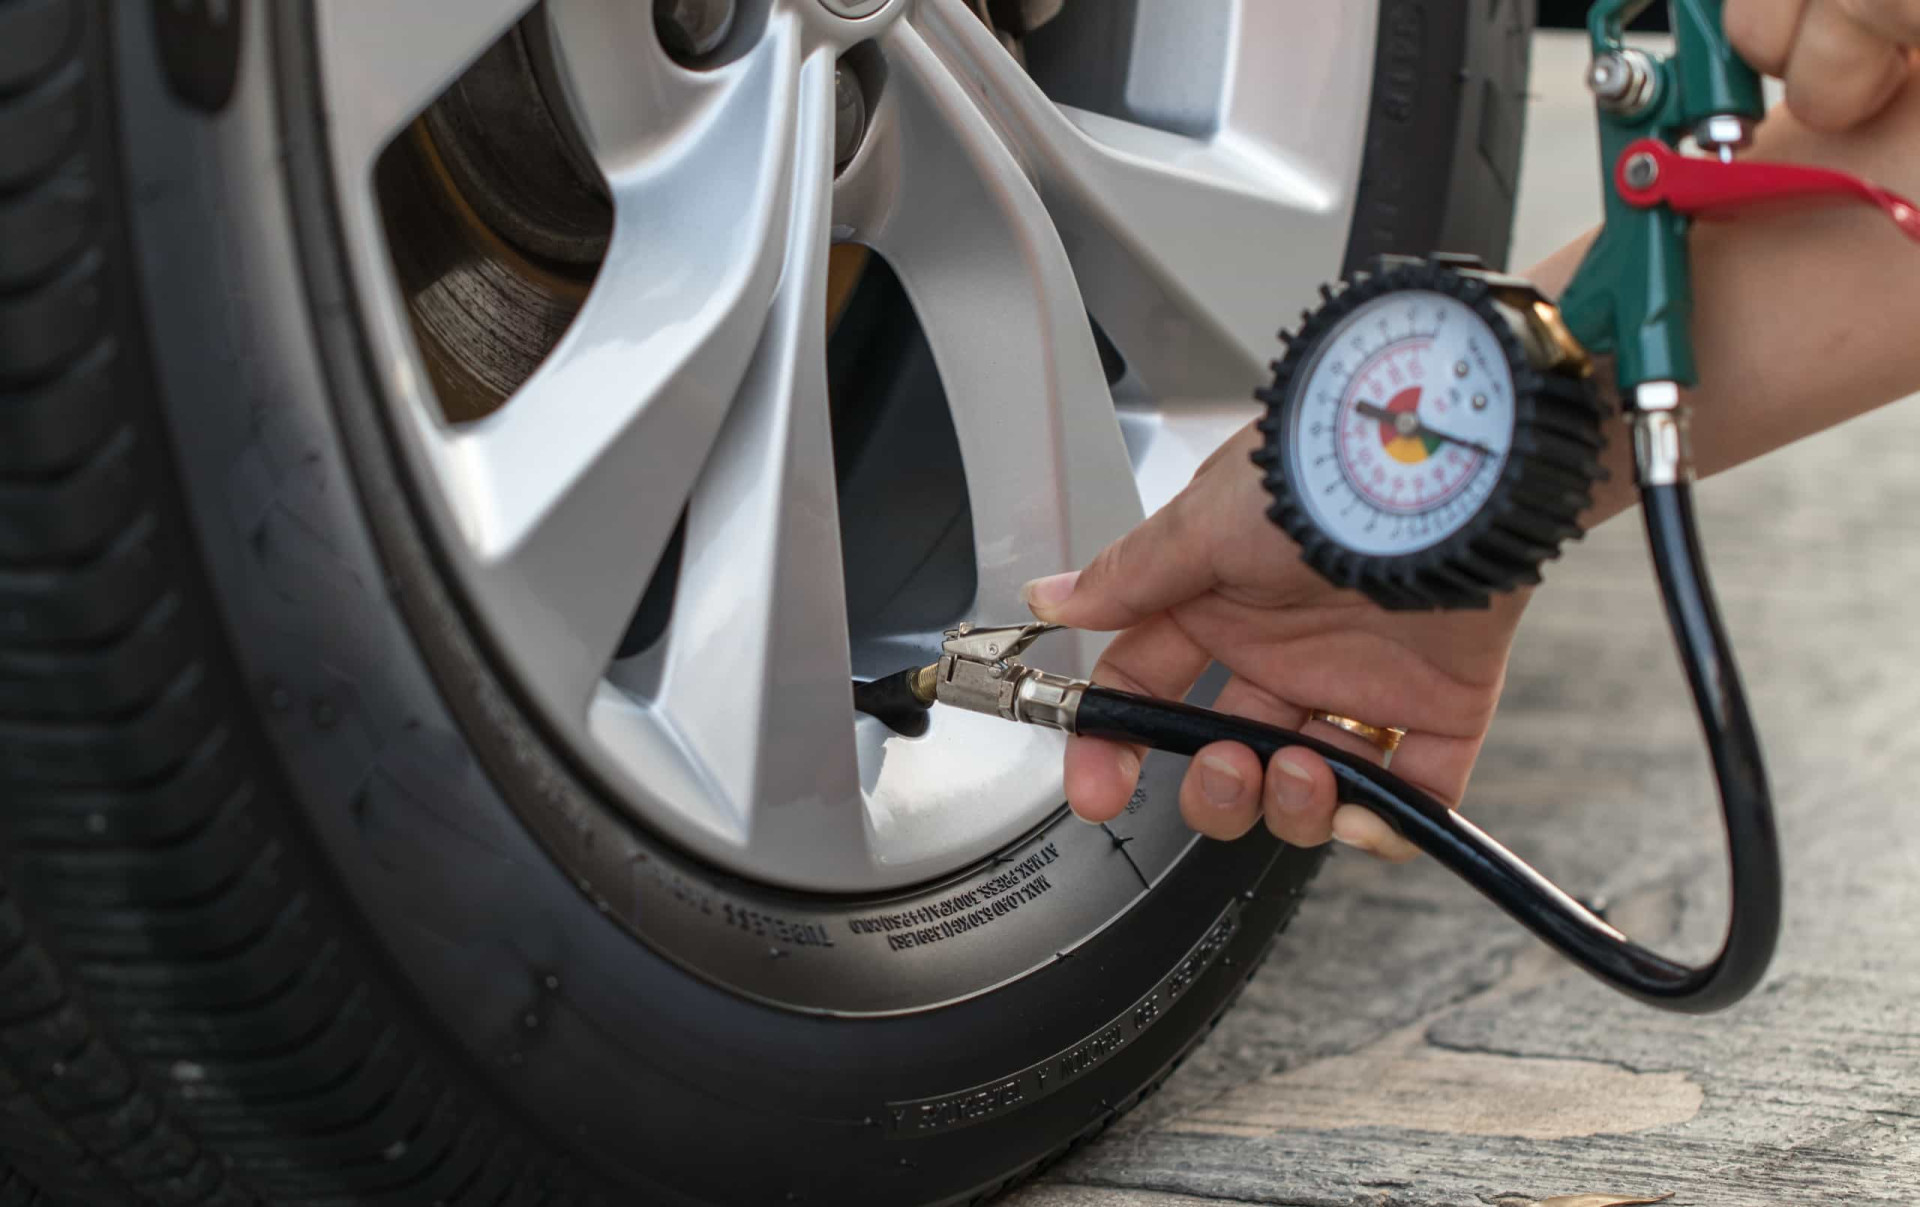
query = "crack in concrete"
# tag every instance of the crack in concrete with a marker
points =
(1467, 1049)
(1404, 1083)
(1203, 1195)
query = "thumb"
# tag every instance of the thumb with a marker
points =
(1167, 560)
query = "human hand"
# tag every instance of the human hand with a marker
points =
(1842, 60)
(1210, 578)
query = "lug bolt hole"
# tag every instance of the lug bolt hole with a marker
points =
(850, 114)
(692, 31)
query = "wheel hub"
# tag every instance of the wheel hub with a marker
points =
(693, 29)
(854, 10)
(617, 407)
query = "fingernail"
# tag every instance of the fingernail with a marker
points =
(1044, 593)
(1219, 782)
(1359, 828)
(1293, 788)
(1129, 764)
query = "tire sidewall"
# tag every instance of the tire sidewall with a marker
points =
(438, 808)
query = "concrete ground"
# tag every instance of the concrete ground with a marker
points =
(1408, 1046)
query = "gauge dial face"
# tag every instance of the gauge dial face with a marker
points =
(1401, 423)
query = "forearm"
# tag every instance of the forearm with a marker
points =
(1801, 319)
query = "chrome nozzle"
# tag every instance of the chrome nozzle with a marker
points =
(980, 671)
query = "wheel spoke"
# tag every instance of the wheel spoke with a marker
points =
(1166, 443)
(755, 691)
(1182, 244)
(938, 194)
(383, 63)
(573, 488)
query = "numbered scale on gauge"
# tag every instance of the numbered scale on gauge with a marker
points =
(1405, 421)
(1423, 445)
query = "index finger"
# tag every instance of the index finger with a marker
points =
(1167, 559)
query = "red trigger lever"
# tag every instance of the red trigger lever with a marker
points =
(1650, 172)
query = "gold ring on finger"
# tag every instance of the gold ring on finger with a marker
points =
(1384, 738)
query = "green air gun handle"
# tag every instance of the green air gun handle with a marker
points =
(1633, 295)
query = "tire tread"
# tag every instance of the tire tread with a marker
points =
(181, 1023)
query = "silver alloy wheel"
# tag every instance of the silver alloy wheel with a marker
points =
(694, 375)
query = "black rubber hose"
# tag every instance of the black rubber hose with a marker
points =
(1739, 769)
(1533, 900)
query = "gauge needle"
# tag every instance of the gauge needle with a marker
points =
(1406, 423)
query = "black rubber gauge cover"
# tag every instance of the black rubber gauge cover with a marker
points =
(1533, 508)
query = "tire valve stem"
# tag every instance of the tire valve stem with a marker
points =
(899, 701)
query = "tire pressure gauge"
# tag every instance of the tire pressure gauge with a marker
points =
(1432, 434)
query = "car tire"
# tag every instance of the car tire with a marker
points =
(299, 905)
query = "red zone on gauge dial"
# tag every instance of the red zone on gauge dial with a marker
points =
(1397, 464)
